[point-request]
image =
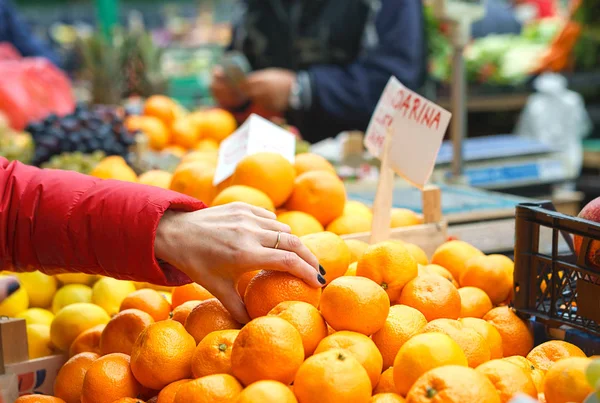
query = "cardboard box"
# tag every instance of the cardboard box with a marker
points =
(13, 342)
(37, 376)
(9, 388)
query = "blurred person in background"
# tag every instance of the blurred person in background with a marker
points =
(322, 64)
(15, 31)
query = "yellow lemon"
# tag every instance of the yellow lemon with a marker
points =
(71, 294)
(39, 286)
(357, 248)
(38, 339)
(37, 316)
(73, 320)
(15, 303)
(76, 278)
(300, 223)
(108, 293)
(354, 208)
(350, 224)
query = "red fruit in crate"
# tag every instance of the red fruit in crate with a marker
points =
(592, 255)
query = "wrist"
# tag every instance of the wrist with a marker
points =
(167, 237)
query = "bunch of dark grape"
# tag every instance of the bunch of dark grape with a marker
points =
(87, 129)
(75, 161)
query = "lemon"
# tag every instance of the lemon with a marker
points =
(139, 285)
(357, 248)
(74, 319)
(167, 295)
(15, 303)
(353, 207)
(108, 293)
(38, 339)
(71, 294)
(36, 316)
(76, 278)
(39, 286)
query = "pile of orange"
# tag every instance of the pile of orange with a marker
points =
(392, 330)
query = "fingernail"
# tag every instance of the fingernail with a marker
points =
(322, 270)
(321, 279)
(12, 288)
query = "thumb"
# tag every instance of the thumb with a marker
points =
(232, 301)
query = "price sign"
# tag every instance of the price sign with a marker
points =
(255, 135)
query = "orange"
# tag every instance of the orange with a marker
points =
(390, 265)
(517, 339)
(215, 124)
(387, 398)
(508, 379)
(300, 223)
(437, 269)
(175, 150)
(244, 194)
(189, 292)
(306, 319)
(244, 280)
(69, 380)
(320, 194)
(128, 400)
(433, 295)
(357, 249)
(208, 316)
(267, 348)
(306, 162)
(453, 255)
(421, 354)
(213, 353)
(149, 301)
(356, 304)
(195, 179)
(473, 344)
(208, 157)
(386, 382)
(402, 323)
(474, 302)
(361, 347)
(488, 332)
(181, 313)
(162, 354)
(157, 132)
(268, 172)
(185, 133)
(207, 145)
(156, 177)
(87, 341)
(267, 392)
(332, 252)
(268, 288)
(453, 384)
(219, 388)
(493, 274)
(351, 269)
(38, 399)
(331, 377)
(402, 217)
(161, 107)
(546, 354)
(167, 395)
(537, 375)
(350, 224)
(417, 253)
(122, 331)
(109, 378)
(566, 382)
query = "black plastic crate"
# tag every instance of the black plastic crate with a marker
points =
(552, 284)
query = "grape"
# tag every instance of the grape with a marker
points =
(75, 161)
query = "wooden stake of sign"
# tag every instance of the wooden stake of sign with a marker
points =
(382, 205)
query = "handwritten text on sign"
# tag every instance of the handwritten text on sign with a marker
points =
(255, 135)
(417, 125)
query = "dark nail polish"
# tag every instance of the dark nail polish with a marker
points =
(322, 270)
(321, 279)
(12, 288)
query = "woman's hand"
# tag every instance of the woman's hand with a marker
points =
(8, 286)
(215, 246)
(224, 94)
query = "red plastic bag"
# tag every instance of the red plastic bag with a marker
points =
(9, 52)
(31, 89)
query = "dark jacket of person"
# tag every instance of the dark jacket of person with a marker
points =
(16, 32)
(343, 50)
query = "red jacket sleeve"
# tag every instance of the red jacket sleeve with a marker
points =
(60, 221)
